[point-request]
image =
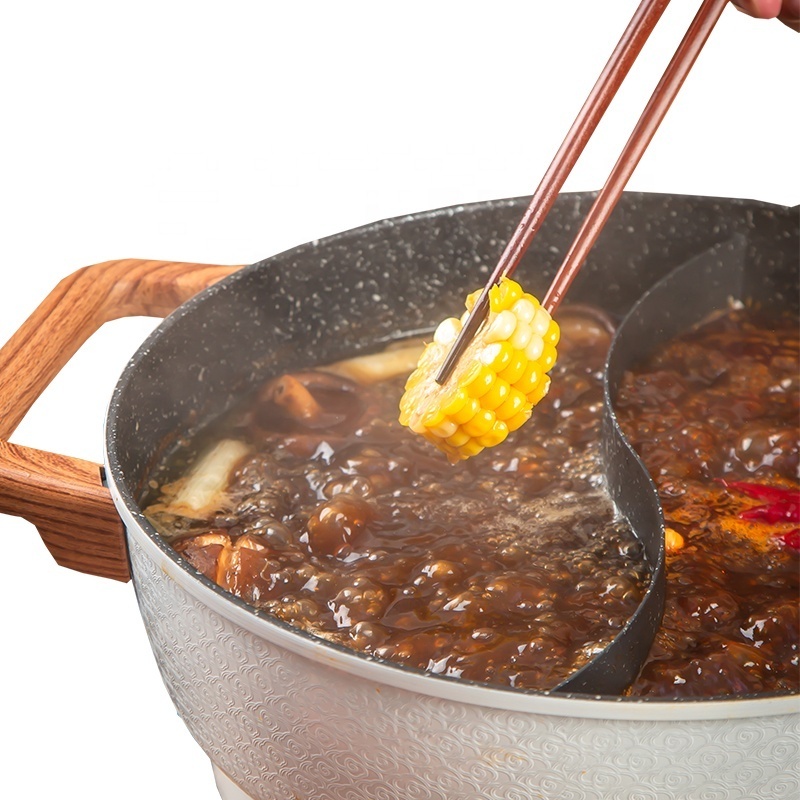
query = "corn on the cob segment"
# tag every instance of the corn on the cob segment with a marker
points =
(499, 378)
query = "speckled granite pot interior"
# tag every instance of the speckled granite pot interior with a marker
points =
(353, 293)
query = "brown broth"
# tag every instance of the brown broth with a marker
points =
(512, 568)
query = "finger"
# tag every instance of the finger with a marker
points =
(763, 9)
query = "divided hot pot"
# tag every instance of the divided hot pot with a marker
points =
(282, 714)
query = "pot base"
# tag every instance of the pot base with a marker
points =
(228, 790)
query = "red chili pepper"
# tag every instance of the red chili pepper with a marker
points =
(761, 492)
(791, 539)
(782, 511)
(783, 505)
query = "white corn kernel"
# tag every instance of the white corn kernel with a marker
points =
(444, 430)
(534, 348)
(415, 423)
(447, 331)
(490, 352)
(501, 327)
(521, 336)
(541, 322)
(524, 309)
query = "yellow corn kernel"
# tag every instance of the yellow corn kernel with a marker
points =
(515, 369)
(497, 434)
(470, 449)
(548, 357)
(470, 409)
(530, 378)
(540, 391)
(513, 404)
(553, 335)
(480, 423)
(504, 295)
(431, 437)
(496, 395)
(453, 404)
(414, 379)
(472, 298)
(520, 418)
(433, 418)
(459, 438)
(497, 355)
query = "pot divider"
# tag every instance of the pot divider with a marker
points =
(669, 307)
(65, 497)
(684, 298)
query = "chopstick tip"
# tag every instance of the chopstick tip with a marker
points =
(465, 336)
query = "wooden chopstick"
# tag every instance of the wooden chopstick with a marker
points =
(654, 112)
(630, 45)
(633, 39)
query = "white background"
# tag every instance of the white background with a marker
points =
(225, 132)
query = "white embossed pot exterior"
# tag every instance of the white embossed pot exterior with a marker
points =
(284, 716)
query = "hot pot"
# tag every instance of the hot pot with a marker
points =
(283, 715)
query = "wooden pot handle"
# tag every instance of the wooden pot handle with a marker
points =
(65, 497)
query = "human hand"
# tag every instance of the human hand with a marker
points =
(787, 11)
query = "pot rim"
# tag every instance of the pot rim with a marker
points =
(380, 672)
